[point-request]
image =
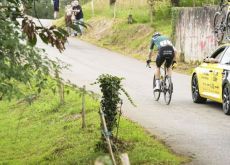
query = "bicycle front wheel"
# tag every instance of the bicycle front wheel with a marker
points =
(168, 90)
(156, 94)
(218, 27)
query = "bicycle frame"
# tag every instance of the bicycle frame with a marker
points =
(164, 69)
(228, 10)
(163, 76)
(222, 27)
(163, 85)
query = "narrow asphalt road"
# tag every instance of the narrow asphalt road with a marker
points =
(200, 131)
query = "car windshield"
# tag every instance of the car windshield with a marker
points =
(226, 57)
(218, 53)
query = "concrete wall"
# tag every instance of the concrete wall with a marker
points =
(194, 37)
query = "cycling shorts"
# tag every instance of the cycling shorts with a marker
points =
(165, 54)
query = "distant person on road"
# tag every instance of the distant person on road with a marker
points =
(77, 9)
(166, 53)
(56, 8)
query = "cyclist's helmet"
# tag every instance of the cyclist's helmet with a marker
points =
(156, 34)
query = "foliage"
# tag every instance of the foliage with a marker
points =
(20, 61)
(175, 15)
(111, 88)
(187, 3)
(138, 10)
(175, 2)
(43, 8)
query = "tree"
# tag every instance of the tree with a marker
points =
(112, 2)
(44, 8)
(20, 61)
(175, 2)
(151, 4)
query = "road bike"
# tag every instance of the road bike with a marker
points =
(222, 22)
(166, 86)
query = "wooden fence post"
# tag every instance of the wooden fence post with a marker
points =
(125, 159)
(83, 108)
(60, 87)
(105, 129)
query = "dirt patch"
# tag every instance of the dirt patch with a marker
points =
(99, 28)
(72, 117)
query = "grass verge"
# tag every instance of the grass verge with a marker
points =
(47, 133)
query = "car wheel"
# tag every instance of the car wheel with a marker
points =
(226, 100)
(195, 91)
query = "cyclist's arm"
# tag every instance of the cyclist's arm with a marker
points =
(150, 54)
(151, 50)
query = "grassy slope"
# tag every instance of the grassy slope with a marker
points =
(46, 133)
(116, 34)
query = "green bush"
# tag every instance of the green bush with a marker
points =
(188, 3)
(111, 89)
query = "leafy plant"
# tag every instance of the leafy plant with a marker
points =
(111, 89)
(20, 61)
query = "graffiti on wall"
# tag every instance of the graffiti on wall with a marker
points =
(207, 41)
(194, 33)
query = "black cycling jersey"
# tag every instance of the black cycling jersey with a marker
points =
(166, 51)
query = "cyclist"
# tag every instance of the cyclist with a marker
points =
(166, 52)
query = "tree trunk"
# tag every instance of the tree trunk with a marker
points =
(92, 6)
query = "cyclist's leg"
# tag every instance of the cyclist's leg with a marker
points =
(159, 61)
(168, 64)
(169, 73)
(169, 60)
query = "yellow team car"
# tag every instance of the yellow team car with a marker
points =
(211, 79)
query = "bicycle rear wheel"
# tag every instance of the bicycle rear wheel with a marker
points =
(218, 27)
(168, 90)
(228, 27)
(156, 94)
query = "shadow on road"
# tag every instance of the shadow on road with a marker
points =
(212, 104)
